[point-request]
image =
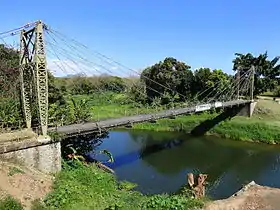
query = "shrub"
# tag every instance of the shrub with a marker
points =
(9, 203)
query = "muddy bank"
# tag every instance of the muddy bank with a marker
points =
(252, 196)
(23, 184)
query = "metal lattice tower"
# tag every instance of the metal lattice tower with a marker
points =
(34, 75)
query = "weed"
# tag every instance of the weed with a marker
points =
(15, 170)
(9, 203)
(90, 188)
(125, 185)
(172, 202)
(38, 205)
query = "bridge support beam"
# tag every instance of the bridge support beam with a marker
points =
(248, 109)
(34, 75)
(43, 157)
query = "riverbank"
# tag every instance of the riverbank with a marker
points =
(91, 188)
(82, 187)
(263, 127)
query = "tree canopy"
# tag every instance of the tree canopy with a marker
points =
(266, 70)
(170, 76)
(9, 73)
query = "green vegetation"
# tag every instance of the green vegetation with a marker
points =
(87, 187)
(167, 84)
(15, 170)
(237, 129)
(266, 71)
(10, 203)
(263, 127)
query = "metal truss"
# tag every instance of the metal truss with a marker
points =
(34, 75)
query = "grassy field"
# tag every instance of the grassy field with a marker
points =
(263, 126)
(113, 106)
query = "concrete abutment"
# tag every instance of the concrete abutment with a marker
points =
(248, 109)
(44, 156)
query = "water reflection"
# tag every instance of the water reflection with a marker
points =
(159, 161)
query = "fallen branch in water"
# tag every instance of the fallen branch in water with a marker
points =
(104, 167)
(100, 165)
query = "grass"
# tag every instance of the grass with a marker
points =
(110, 106)
(268, 94)
(14, 170)
(116, 111)
(90, 188)
(9, 203)
(264, 126)
(17, 135)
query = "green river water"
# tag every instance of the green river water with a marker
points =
(159, 161)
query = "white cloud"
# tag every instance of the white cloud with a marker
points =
(62, 68)
(114, 67)
(66, 67)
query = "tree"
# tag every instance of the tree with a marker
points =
(55, 94)
(10, 87)
(9, 72)
(266, 70)
(79, 84)
(137, 92)
(168, 77)
(210, 83)
(201, 78)
(112, 83)
(220, 84)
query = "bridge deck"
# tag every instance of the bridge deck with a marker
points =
(75, 129)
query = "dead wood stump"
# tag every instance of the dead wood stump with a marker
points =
(197, 184)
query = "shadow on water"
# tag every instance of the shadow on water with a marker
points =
(144, 152)
(208, 124)
(159, 161)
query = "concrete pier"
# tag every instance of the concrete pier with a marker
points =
(248, 109)
(33, 152)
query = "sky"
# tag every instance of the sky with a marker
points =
(141, 33)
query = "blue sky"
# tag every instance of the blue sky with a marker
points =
(140, 33)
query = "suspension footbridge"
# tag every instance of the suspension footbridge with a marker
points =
(41, 45)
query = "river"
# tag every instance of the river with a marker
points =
(159, 161)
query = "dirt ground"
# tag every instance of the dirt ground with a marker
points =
(23, 184)
(255, 197)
